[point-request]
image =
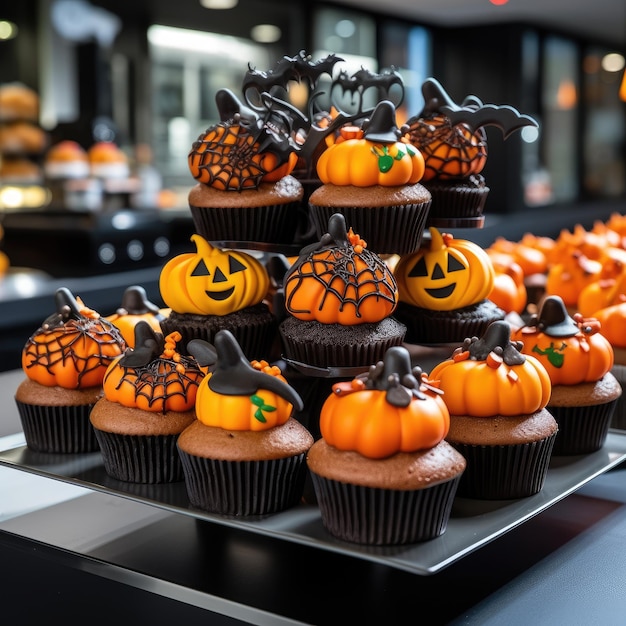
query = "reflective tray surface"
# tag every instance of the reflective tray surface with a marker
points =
(473, 523)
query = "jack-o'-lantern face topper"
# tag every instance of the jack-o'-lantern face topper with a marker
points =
(212, 281)
(452, 138)
(445, 274)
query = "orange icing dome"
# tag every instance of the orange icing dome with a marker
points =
(239, 394)
(73, 347)
(571, 275)
(136, 307)
(340, 281)
(377, 156)
(153, 376)
(613, 322)
(391, 409)
(245, 148)
(212, 281)
(488, 377)
(445, 274)
(571, 349)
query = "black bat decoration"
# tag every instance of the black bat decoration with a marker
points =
(472, 112)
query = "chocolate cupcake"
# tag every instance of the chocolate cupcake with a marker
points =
(453, 142)
(64, 363)
(149, 399)
(376, 488)
(497, 400)
(578, 359)
(244, 455)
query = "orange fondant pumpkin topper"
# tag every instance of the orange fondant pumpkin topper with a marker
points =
(490, 376)
(445, 274)
(135, 307)
(237, 394)
(393, 408)
(153, 376)
(572, 349)
(375, 156)
(212, 281)
(339, 280)
(452, 137)
(73, 347)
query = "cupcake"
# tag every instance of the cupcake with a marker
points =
(497, 400)
(66, 160)
(149, 399)
(578, 359)
(22, 138)
(18, 102)
(107, 161)
(135, 307)
(242, 164)
(214, 289)
(339, 297)
(371, 176)
(444, 290)
(453, 142)
(245, 454)
(382, 471)
(64, 362)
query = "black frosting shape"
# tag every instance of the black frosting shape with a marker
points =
(472, 111)
(553, 319)
(149, 346)
(67, 308)
(381, 127)
(135, 302)
(233, 374)
(497, 339)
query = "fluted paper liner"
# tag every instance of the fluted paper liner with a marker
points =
(381, 517)
(139, 458)
(57, 429)
(387, 230)
(244, 488)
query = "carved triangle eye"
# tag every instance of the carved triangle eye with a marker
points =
(419, 269)
(235, 266)
(454, 265)
(201, 269)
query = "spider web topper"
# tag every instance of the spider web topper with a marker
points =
(348, 273)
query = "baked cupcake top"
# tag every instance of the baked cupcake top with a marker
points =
(452, 137)
(490, 377)
(390, 409)
(338, 280)
(153, 376)
(238, 394)
(445, 273)
(572, 349)
(374, 154)
(73, 347)
(212, 281)
(135, 307)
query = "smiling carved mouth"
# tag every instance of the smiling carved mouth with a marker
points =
(220, 295)
(441, 292)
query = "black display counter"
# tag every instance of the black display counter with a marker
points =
(70, 553)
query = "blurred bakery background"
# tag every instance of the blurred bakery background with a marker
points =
(100, 101)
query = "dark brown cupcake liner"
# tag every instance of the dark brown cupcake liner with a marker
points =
(504, 472)
(619, 414)
(387, 230)
(381, 517)
(425, 326)
(314, 354)
(148, 459)
(267, 224)
(57, 429)
(456, 201)
(256, 331)
(244, 488)
(582, 429)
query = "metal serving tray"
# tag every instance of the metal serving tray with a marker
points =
(473, 523)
